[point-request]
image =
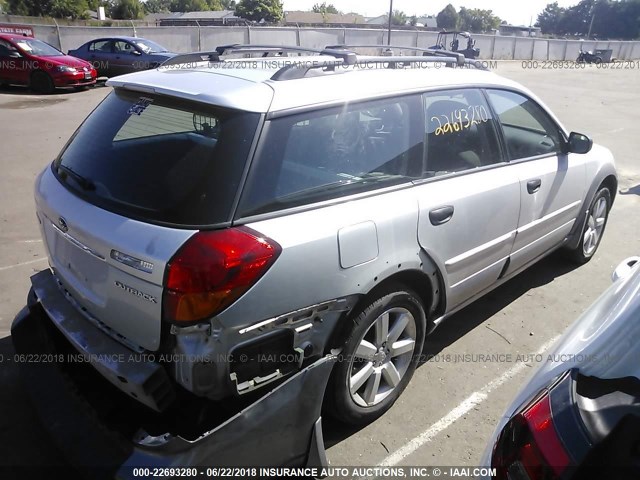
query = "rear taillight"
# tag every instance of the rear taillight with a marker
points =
(212, 270)
(529, 447)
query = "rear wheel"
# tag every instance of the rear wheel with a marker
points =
(379, 357)
(594, 227)
(597, 60)
(41, 82)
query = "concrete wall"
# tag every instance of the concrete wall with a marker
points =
(186, 39)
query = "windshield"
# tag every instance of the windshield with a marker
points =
(37, 47)
(147, 46)
(158, 159)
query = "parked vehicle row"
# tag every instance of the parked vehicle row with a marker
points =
(30, 62)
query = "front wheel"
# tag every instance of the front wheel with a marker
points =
(593, 230)
(41, 82)
(379, 357)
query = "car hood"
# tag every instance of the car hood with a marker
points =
(66, 60)
(603, 342)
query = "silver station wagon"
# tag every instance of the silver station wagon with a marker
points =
(231, 219)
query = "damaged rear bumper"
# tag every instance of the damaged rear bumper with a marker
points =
(283, 427)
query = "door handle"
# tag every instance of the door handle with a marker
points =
(534, 185)
(442, 215)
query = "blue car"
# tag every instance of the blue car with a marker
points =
(119, 55)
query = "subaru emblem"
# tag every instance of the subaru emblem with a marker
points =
(63, 224)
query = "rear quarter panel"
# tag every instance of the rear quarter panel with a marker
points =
(343, 249)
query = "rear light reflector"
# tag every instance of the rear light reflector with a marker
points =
(212, 270)
(540, 422)
(529, 448)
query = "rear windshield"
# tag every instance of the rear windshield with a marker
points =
(158, 159)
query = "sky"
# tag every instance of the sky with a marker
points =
(513, 11)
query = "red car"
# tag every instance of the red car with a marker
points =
(27, 61)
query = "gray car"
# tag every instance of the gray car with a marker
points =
(229, 222)
(578, 415)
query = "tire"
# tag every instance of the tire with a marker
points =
(369, 377)
(597, 60)
(594, 227)
(41, 82)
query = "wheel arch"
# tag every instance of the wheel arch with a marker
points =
(606, 178)
(426, 282)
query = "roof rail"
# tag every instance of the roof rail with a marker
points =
(462, 61)
(193, 57)
(265, 50)
(296, 71)
(346, 56)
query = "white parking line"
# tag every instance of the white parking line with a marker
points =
(463, 408)
(22, 263)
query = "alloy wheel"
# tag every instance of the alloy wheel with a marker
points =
(382, 357)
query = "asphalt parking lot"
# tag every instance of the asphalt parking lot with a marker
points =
(449, 410)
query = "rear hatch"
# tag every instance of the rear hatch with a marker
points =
(137, 179)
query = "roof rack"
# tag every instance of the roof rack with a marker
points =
(332, 56)
(296, 71)
(462, 61)
(265, 50)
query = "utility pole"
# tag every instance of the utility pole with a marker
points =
(593, 17)
(390, 16)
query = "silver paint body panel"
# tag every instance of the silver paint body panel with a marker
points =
(332, 250)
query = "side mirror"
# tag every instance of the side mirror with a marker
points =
(14, 54)
(136, 52)
(624, 269)
(579, 143)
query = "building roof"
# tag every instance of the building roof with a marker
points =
(186, 17)
(210, 14)
(379, 20)
(428, 21)
(153, 17)
(519, 27)
(319, 18)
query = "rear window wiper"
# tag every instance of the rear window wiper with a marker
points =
(85, 183)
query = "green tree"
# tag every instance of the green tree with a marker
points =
(398, 18)
(257, 10)
(323, 8)
(448, 18)
(127, 10)
(550, 17)
(52, 8)
(189, 6)
(478, 20)
(157, 6)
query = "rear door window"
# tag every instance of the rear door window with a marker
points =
(159, 159)
(330, 153)
(461, 132)
(101, 46)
